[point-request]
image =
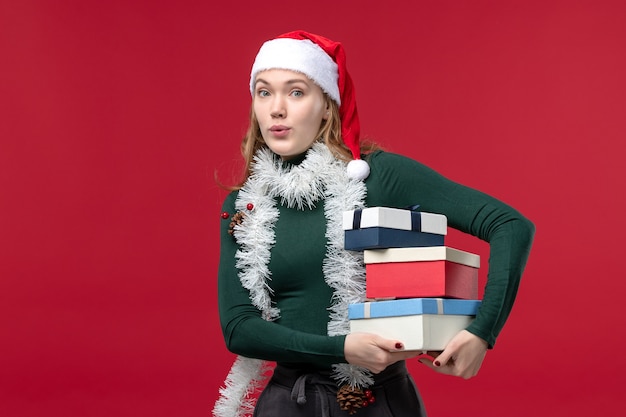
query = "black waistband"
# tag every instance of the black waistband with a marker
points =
(287, 376)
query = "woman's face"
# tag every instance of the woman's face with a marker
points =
(289, 108)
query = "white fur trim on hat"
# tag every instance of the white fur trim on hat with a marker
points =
(302, 56)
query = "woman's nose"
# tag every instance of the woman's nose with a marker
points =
(278, 108)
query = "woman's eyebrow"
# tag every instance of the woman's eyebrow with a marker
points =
(292, 81)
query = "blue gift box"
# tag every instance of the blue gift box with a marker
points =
(385, 227)
(383, 238)
(412, 306)
(419, 323)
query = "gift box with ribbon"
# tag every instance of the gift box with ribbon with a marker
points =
(386, 227)
(420, 323)
(436, 271)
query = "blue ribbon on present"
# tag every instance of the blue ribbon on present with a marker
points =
(416, 218)
(356, 219)
(416, 221)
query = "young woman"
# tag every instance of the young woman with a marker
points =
(285, 280)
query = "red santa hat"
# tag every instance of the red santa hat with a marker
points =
(324, 62)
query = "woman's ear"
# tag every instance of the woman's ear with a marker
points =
(327, 112)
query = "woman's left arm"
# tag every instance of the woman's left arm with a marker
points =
(398, 181)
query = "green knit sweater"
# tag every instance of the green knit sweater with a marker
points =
(299, 336)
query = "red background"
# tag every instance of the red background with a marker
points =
(115, 115)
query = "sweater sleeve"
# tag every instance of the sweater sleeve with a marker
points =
(397, 181)
(247, 333)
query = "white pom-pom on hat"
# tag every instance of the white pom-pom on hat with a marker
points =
(358, 169)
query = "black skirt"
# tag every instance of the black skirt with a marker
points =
(298, 393)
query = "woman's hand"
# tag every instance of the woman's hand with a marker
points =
(374, 352)
(462, 357)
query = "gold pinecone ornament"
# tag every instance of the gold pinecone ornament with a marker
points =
(350, 399)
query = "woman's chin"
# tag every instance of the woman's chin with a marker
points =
(286, 151)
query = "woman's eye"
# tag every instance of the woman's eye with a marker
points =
(297, 93)
(263, 93)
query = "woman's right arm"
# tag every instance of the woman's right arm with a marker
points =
(247, 333)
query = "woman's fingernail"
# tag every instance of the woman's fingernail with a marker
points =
(437, 363)
(398, 345)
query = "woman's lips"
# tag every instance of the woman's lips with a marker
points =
(279, 131)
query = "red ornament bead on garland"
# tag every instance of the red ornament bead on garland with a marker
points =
(250, 206)
(225, 215)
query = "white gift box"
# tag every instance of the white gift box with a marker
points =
(394, 218)
(386, 227)
(419, 323)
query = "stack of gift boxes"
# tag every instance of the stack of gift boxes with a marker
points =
(418, 290)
